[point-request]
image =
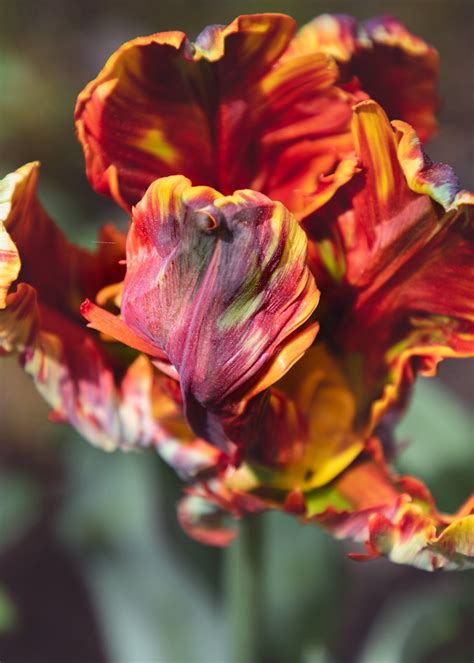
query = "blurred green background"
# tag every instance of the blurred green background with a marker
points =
(93, 566)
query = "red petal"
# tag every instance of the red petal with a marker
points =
(224, 111)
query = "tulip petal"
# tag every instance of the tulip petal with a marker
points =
(394, 516)
(204, 522)
(113, 326)
(204, 512)
(223, 111)
(220, 285)
(62, 274)
(77, 379)
(396, 267)
(411, 539)
(9, 264)
(19, 320)
(111, 404)
(393, 66)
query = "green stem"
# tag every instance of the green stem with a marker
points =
(244, 592)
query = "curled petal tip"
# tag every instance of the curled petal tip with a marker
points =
(202, 521)
(113, 326)
(85, 308)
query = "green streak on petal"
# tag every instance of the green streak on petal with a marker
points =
(335, 265)
(320, 499)
(241, 309)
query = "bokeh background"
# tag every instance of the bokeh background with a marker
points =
(93, 566)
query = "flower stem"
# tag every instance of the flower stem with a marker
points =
(244, 592)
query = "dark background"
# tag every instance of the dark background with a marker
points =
(93, 566)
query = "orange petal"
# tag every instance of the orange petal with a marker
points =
(113, 326)
(68, 365)
(394, 516)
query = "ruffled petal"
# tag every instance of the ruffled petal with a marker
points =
(394, 516)
(205, 521)
(220, 285)
(411, 538)
(19, 320)
(62, 273)
(9, 264)
(209, 510)
(393, 66)
(111, 403)
(223, 111)
(394, 255)
(78, 380)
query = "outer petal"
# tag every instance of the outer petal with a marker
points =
(71, 369)
(73, 375)
(77, 378)
(396, 267)
(394, 516)
(204, 512)
(220, 284)
(396, 68)
(9, 264)
(204, 521)
(222, 111)
(63, 274)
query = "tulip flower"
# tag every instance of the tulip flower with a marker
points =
(396, 233)
(293, 261)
